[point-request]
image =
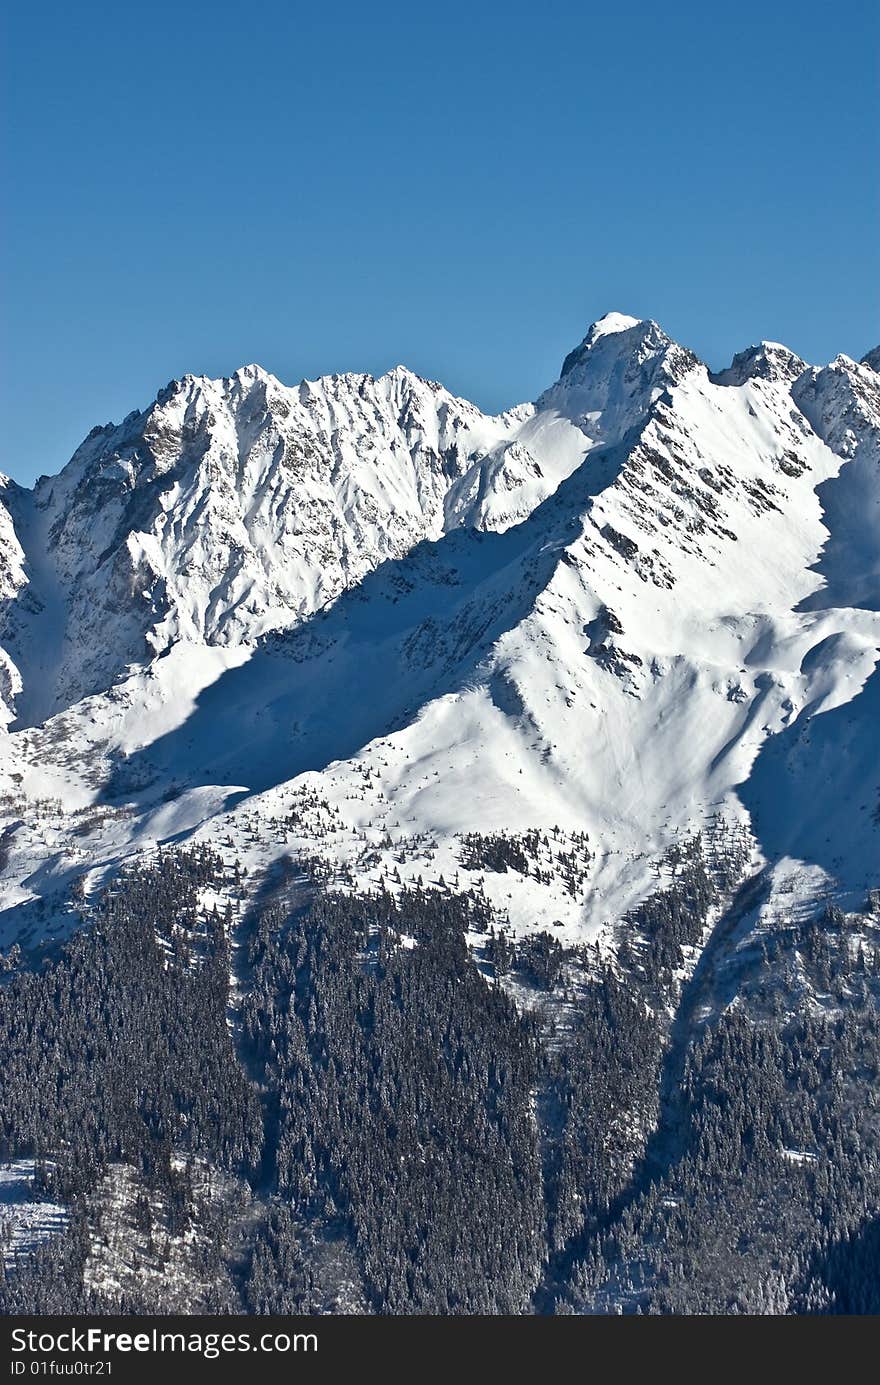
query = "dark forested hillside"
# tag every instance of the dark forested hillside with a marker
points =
(334, 1104)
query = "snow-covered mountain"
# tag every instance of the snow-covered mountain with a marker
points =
(357, 618)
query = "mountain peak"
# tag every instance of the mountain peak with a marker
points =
(632, 333)
(610, 323)
(766, 360)
(621, 368)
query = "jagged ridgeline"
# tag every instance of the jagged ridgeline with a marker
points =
(333, 1103)
(650, 595)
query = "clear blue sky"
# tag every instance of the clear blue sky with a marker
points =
(458, 186)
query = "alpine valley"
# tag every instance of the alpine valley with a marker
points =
(440, 856)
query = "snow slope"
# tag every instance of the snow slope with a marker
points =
(357, 618)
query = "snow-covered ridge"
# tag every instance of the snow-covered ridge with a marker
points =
(230, 508)
(364, 609)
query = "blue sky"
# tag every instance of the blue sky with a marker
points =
(460, 186)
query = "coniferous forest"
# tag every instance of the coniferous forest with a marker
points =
(334, 1103)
